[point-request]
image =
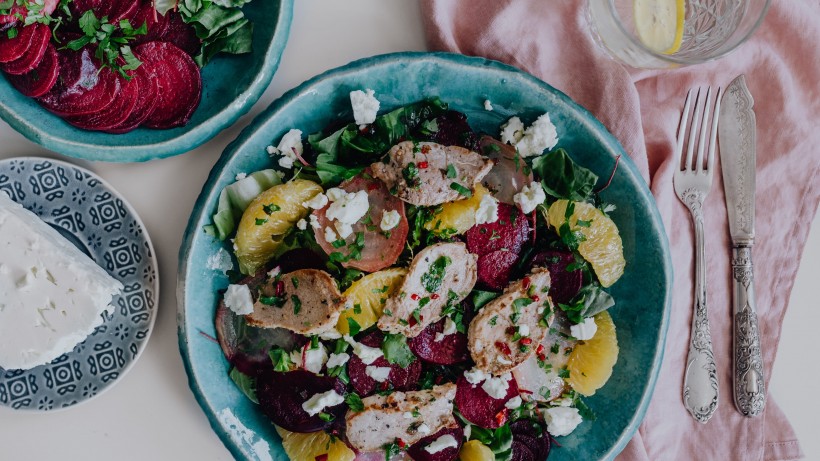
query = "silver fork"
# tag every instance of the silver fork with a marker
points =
(692, 183)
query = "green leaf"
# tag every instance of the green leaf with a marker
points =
(396, 350)
(481, 298)
(353, 401)
(89, 23)
(461, 189)
(245, 383)
(353, 326)
(562, 178)
(451, 171)
(280, 359)
(590, 300)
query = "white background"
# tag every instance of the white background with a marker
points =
(151, 414)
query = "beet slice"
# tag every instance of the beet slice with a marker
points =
(115, 113)
(477, 407)
(281, 396)
(182, 35)
(81, 87)
(180, 84)
(12, 49)
(418, 453)
(510, 232)
(156, 23)
(450, 350)
(48, 7)
(32, 57)
(41, 79)
(533, 435)
(453, 130)
(146, 100)
(400, 379)
(495, 269)
(522, 452)
(124, 9)
(565, 284)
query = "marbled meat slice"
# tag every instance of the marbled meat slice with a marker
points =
(41, 79)
(521, 306)
(422, 174)
(180, 84)
(439, 274)
(305, 301)
(387, 418)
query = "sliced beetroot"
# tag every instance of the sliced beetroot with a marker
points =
(400, 379)
(115, 113)
(41, 79)
(453, 130)
(156, 23)
(533, 435)
(496, 268)
(300, 258)
(521, 452)
(508, 175)
(12, 49)
(82, 87)
(450, 350)
(146, 100)
(281, 396)
(124, 9)
(181, 34)
(180, 84)
(477, 407)
(33, 55)
(509, 232)
(18, 11)
(564, 284)
(418, 453)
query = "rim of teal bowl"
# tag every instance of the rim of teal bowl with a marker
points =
(195, 137)
(386, 59)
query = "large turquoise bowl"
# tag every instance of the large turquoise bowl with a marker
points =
(230, 86)
(642, 295)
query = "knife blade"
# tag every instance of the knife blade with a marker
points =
(737, 141)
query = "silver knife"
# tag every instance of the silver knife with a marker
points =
(737, 159)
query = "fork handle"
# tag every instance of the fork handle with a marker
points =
(749, 389)
(700, 384)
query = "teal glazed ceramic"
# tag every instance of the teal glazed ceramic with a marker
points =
(230, 86)
(642, 295)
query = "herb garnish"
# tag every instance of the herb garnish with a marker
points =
(431, 280)
(464, 191)
(111, 40)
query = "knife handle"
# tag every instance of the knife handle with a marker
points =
(749, 388)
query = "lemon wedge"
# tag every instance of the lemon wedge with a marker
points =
(659, 24)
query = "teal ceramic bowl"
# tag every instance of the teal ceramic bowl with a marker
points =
(230, 86)
(642, 295)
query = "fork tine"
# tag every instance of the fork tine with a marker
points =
(684, 119)
(693, 132)
(704, 127)
(715, 116)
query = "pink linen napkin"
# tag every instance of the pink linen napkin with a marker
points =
(642, 108)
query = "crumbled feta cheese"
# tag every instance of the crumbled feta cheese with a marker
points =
(273, 273)
(314, 358)
(349, 208)
(488, 105)
(286, 162)
(449, 329)
(334, 193)
(301, 224)
(530, 197)
(330, 235)
(408, 415)
(503, 361)
(468, 431)
(344, 229)
(271, 150)
(337, 360)
(290, 147)
(475, 375)
(512, 131)
(440, 444)
(562, 402)
(524, 330)
(367, 354)
(318, 201)
(238, 299)
(496, 387)
(561, 420)
(241, 176)
(423, 429)
(220, 261)
(540, 136)
(379, 374)
(390, 219)
(314, 222)
(487, 211)
(365, 106)
(330, 335)
(514, 402)
(585, 330)
(319, 402)
(296, 357)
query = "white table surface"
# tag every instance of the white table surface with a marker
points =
(151, 414)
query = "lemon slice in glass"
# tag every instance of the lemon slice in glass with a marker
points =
(659, 24)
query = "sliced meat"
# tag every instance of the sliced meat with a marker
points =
(180, 84)
(41, 79)
(419, 173)
(493, 336)
(439, 274)
(306, 301)
(387, 418)
(509, 174)
(83, 87)
(538, 376)
(33, 55)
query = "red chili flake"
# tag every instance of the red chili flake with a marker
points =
(373, 186)
(434, 296)
(503, 347)
(501, 417)
(425, 149)
(412, 322)
(439, 379)
(322, 457)
(384, 386)
(401, 443)
(535, 298)
(542, 357)
(414, 297)
(279, 288)
(423, 165)
(525, 283)
(540, 349)
(525, 341)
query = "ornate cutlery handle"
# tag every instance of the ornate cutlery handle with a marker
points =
(700, 383)
(749, 389)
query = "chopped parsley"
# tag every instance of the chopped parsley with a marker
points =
(280, 359)
(431, 280)
(411, 175)
(451, 171)
(297, 304)
(353, 326)
(260, 221)
(353, 401)
(268, 209)
(464, 191)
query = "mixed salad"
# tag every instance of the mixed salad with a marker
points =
(406, 287)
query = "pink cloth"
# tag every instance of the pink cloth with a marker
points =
(642, 108)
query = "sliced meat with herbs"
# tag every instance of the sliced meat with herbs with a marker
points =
(539, 377)
(430, 174)
(508, 330)
(439, 275)
(408, 416)
(305, 301)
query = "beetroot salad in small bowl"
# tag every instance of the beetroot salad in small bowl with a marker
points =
(426, 274)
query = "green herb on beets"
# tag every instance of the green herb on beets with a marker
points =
(396, 351)
(112, 42)
(280, 359)
(562, 178)
(245, 383)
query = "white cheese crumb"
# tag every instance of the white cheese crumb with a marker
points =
(487, 211)
(290, 147)
(296, 358)
(365, 106)
(314, 358)
(390, 219)
(562, 402)
(540, 136)
(330, 235)
(503, 361)
(449, 329)
(273, 273)
(344, 229)
(318, 201)
(514, 402)
(301, 224)
(379, 374)
(367, 354)
(530, 197)
(241, 176)
(423, 429)
(496, 387)
(524, 330)
(220, 261)
(334, 193)
(561, 420)
(475, 376)
(348, 209)
(286, 162)
(440, 444)
(468, 431)
(238, 299)
(512, 131)
(319, 402)
(584, 330)
(330, 335)
(314, 222)
(270, 150)
(488, 105)
(337, 360)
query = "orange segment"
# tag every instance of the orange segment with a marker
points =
(366, 298)
(458, 215)
(591, 362)
(475, 451)
(306, 447)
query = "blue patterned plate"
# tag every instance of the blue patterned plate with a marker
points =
(90, 214)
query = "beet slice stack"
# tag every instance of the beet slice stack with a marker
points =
(12, 49)
(82, 88)
(41, 35)
(41, 79)
(180, 84)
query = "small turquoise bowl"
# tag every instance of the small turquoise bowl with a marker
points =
(642, 295)
(230, 86)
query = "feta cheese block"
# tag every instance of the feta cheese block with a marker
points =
(51, 294)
